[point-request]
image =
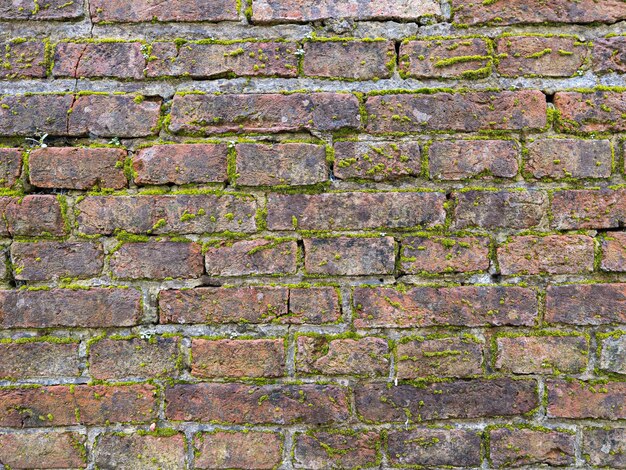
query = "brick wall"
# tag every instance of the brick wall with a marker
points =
(330, 234)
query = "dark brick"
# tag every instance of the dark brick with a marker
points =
(10, 166)
(614, 252)
(349, 256)
(600, 111)
(609, 55)
(50, 10)
(229, 449)
(313, 305)
(157, 260)
(39, 359)
(34, 115)
(443, 255)
(587, 304)
(378, 161)
(320, 450)
(516, 447)
(579, 209)
(22, 59)
(252, 257)
(32, 216)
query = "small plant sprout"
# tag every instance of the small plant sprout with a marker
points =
(40, 142)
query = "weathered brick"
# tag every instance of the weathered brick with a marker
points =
(337, 449)
(598, 111)
(444, 254)
(252, 257)
(553, 11)
(356, 60)
(566, 158)
(609, 55)
(30, 10)
(442, 357)
(516, 447)
(270, 112)
(614, 252)
(278, 11)
(238, 358)
(355, 210)
(181, 164)
(276, 59)
(292, 164)
(434, 447)
(500, 209)
(314, 305)
(230, 449)
(457, 306)
(99, 59)
(45, 260)
(378, 161)
(612, 348)
(34, 115)
(180, 213)
(122, 11)
(462, 159)
(375, 402)
(38, 359)
(579, 209)
(96, 307)
(223, 305)
(542, 354)
(60, 405)
(576, 399)
(587, 304)
(265, 404)
(466, 112)
(552, 254)
(605, 447)
(23, 59)
(368, 356)
(43, 450)
(157, 260)
(10, 166)
(116, 359)
(542, 56)
(34, 215)
(349, 256)
(140, 452)
(77, 168)
(450, 58)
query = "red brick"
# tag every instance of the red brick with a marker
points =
(122, 11)
(612, 349)
(443, 357)
(434, 447)
(179, 213)
(10, 166)
(238, 358)
(275, 59)
(330, 356)
(118, 359)
(543, 354)
(609, 55)
(77, 168)
(466, 112)
(553, 11)
(561, 158)
(552, 254)
(500, 209)
(337, 449)
(38, 359)
(232, 449)
(157, 260)
(614, 252)
(99, 59)
(355, 210)
(541, 56)
(450, 58)
(587, 304)
(34, 115)
(113, 116)
(375, 402)
(605, 447)
(378, 161)
(43, 450)
(579, 209)
(312, 305)
(32, 216)
(578, 400)
(355, 60)
(281, 164)
(462, 159)
(252, 257)
(349, 256)
(141, 452)
(599, 111)
(223, 305)
(234, 403)
(22, 59)
(96, 307)
(50, 10)
(279, 11)
(271, 112)
(444, 254)
(45, 260)
(457, 306)
(515, 447)
(181, 164)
